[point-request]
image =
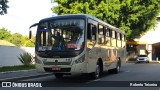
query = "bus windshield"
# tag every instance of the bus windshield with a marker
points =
(60, 35)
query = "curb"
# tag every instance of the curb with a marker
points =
(25, 77)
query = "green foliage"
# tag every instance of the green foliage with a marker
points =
(27, 42)
(4, 34)
(138, 16)
(3, 7)
(132, 16)
(16, 68)
(25, 58)
(16, 39)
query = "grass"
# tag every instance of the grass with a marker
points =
(16, 68)
(6, 43)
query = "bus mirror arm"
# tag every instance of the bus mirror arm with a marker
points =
(33, 25)
(30, 32)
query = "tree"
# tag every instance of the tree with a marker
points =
(16, 39)
(3, 7)
(27, 42)
(138, 16)
(4, 34)
(133, 16)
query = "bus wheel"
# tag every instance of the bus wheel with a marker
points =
(58, 75)
(96, 74)
(117, 69)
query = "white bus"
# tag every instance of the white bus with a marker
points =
(78, 43)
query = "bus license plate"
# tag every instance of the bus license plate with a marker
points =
(56, 68)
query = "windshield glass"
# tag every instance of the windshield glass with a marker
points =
(61, 35)
(142, 55)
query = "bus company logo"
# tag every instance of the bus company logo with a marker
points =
(6, 84)
(56, 61)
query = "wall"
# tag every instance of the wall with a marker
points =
(9, 54)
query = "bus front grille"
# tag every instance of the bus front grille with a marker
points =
(57, 63)
(62, 70)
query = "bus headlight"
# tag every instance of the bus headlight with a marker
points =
(80, 60)
(38, 61)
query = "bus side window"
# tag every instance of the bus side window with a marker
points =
(107, 37)
(101, 34)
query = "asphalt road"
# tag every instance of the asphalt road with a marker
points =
(129, 72)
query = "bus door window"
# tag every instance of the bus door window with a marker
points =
(91, 35)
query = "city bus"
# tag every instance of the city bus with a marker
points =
(77, 44)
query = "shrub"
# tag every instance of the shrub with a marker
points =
(25, 58)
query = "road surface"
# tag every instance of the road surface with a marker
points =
(129, 72)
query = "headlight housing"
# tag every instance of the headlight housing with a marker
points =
(80, 60)
(37, 60)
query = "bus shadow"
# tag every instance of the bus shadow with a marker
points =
(82, 78)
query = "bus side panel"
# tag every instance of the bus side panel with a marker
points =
(104, 55)
(112, 58)
(121, 53)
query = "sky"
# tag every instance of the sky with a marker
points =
(23, 13)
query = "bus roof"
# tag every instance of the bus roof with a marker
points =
(82, 16)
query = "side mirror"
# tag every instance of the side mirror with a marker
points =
(30, 34)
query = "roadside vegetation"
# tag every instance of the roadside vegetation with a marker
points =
(6, 43)
(26, 59)
(16, 68)
(17, 39)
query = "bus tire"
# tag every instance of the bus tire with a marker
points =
(117, 69)
(58, 75)
(96, 74)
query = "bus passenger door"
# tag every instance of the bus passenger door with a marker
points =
(91, 47)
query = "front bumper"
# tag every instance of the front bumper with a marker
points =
(142, 60)
(70, 69)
